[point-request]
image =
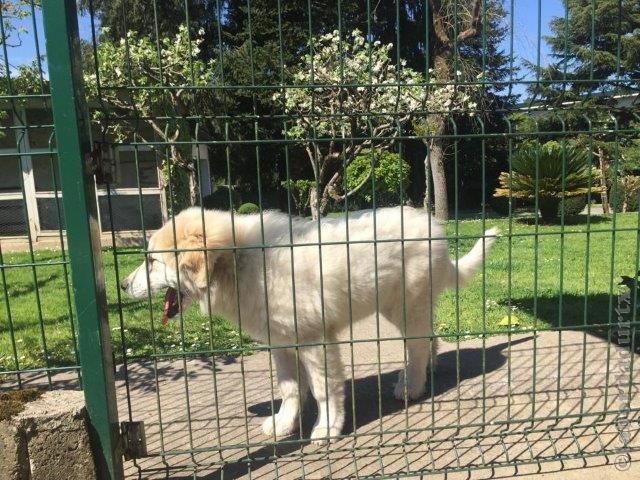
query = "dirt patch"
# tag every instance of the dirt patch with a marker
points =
(13, 402)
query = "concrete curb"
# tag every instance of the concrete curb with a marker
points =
(47, 440)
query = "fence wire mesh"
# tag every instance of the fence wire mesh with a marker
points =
(38, 323)
(445, 119)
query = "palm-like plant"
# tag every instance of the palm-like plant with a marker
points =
(549, 171)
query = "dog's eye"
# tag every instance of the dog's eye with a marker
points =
(150, 263)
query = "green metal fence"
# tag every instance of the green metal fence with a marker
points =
(138, 110)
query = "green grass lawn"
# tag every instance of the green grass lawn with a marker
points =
(130, 320)
(550, 295)
(571, 283)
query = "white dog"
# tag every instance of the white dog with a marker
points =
(361, 264)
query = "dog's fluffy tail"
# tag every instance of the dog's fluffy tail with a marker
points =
(465, 268)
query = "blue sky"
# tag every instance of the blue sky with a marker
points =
(530, 21)
(25, 52)
(529, 17)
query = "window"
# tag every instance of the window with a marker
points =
(137, 181)
(13, 220)
(46, 181)
(7, 134)
(40, 128)
(50, 216)
(10, 173)
(146, 168)
(12, 217)
(45, 173)
(126, 215)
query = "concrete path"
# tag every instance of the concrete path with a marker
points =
(481, 417)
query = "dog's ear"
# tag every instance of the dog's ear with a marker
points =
(192, 263)
(201, 266)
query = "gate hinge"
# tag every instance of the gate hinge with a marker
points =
(134, 440)
(100, 163)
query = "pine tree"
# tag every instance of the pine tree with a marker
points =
(596, 51)
(595, 47)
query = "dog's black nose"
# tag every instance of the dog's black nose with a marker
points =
(124, 284)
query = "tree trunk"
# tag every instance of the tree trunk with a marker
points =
(603, 181)
(193, 188)
(319, 206)
(313, 203)
(435, 156)
(177, 161)
(441, 202)
(428, 202)
(434, 163)
(444, 47)
(623, 195)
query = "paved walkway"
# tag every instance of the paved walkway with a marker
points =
(480, 419)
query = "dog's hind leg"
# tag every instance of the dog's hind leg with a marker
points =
(419, 355)
(293, 388)
(326, 378)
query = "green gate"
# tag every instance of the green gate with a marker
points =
(76, 182)
(319, 109)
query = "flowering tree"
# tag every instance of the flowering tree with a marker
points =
(151, 82)
(350, 95)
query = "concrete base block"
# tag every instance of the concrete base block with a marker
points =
(14, 462)
(47, 440)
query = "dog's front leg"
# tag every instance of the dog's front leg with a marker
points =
(326, 379)
(293, 388)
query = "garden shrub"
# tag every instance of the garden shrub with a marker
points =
(389, 173)
(537, 169)
(248, 208)
(299, 191)
(573, 205)
(624, 198)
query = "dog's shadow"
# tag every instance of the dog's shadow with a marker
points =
(370, 401)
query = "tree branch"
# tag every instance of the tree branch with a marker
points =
(331, 191)
(311, 160)
(437, 22)
(472, 30)
(351, 154)
(156, 128)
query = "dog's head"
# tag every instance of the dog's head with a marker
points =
(180, 260)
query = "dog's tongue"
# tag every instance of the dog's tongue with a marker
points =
(170, 306)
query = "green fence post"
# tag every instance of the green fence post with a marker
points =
(83, 234)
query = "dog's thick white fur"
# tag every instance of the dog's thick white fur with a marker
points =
(334, 284)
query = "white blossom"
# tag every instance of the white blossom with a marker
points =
(350, 86)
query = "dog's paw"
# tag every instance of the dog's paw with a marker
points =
(284, 426)
(415, 390)
(320, 434)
